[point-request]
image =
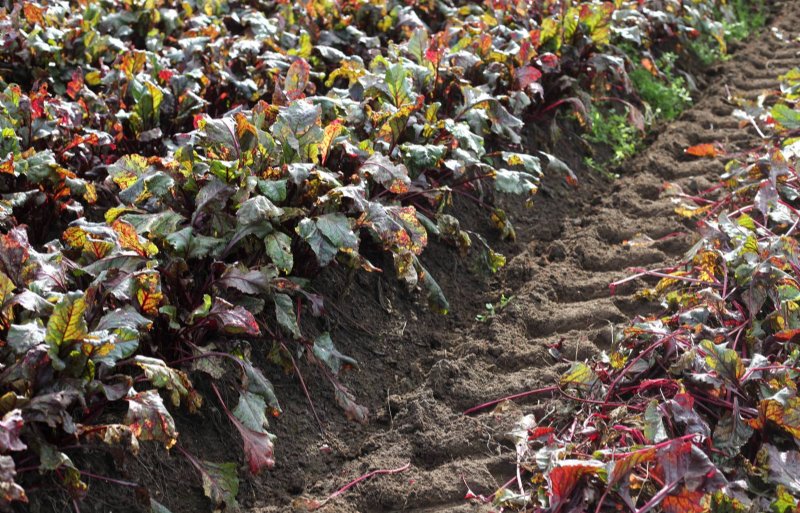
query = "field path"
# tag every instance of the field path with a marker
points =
(573, 243)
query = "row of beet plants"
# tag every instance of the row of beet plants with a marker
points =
(697, 409)
(174, 174)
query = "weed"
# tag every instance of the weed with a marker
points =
(612, 130)
(492, 309)
(666, 94)
(748, 17)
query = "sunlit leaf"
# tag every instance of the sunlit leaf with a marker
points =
(704, 150)
(175, 381)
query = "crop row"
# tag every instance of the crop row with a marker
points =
(696, 409)
(173, 175)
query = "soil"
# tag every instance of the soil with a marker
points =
(421, 371)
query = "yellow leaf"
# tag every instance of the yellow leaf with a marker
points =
(148, 292)
(129, 239)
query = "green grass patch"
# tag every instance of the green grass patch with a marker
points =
(666, 95)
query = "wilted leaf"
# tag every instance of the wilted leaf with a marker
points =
(220, 484)
(9, 490)
(10, 428)
(149, 296)
(704, 150)
(352, 410)
(685, 501)
(654, 429)
(385, 172)
(330, 356)
(149, 419)
(582, 377)
(723, 360)
(565, 476)
(129, 239)
(296, 79)
(177, 382)
(233, 319)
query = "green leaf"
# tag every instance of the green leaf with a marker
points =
(250, 411)
(423, 156)
(274, 190)
(417, 44)
(731, 432)
(39, 167)
(297, 128)
(232, 319)
(386, 173)
(220, 484)
(786, 116)
(160, 224)
(255, 382)
(515, 182)
(190, 245)
(466, 138)
(126, 317)
(725, 361)
(257, 210)
(325, 351)
(654, 430)
(279, 249)
(124, 261)
(220, 132)
(52, 459)
(65, 326)
(285, 314)
(398, 86)
(530, 163)
(22, 337)
(248, 281)
(327, 235)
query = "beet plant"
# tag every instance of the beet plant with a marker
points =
(174, 174)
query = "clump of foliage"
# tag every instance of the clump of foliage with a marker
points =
(739, 20)
(492, 309)
(173, 175)
(614, 131)
(746, 17)
(661, 88)
(696, 409)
